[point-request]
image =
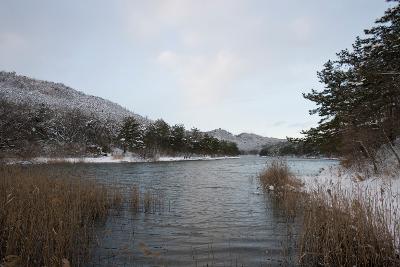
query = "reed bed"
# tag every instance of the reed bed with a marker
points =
(148, 201)
(277, 176)
(343, 230)
(338, 227)
(47, 218)
(284, 186)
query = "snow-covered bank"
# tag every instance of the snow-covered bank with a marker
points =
(339, 178)
(111, 159)
(380, 192)
(301, 157)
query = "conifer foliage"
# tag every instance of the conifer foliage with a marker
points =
(159, 138)
(360, 103)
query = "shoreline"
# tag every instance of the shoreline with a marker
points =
(302, 157)
(109, 159)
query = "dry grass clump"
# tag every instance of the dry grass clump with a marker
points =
(277, 176)
(46, 217)
(343, 231)
(116, 198)
(135, 199)
(147, 201)
(339, 227)
(283, 186)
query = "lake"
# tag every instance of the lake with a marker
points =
(214, 214)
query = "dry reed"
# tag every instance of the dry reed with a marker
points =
(47, 218)
(338, 228)
(277, 176)
(135, 198)
(148, 201)
(284, 186)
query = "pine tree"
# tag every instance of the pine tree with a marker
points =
(360, 104)
(131, 134)
(178, 138)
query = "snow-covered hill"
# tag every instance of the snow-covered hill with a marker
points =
(245, 141)
(58, 97)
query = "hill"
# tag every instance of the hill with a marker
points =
(20, 89)
(246, 142)
(39, 118)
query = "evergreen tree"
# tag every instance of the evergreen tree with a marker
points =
(193, 141)
(131, 134)
(178, 138)
(360, 104)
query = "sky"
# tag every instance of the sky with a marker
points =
(240, 65)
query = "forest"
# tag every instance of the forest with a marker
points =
(27, 131)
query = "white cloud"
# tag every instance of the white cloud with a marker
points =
(301, 29)
(167, 58)
(149, 18)
(191, 39)
(11, 42)
(13, 47)
(202, 79)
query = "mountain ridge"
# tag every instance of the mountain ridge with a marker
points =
(247, 142)
(20, 89)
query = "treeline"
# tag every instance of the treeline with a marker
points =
(27, 131)
(160, 138)
(289, 148)
(360, 104)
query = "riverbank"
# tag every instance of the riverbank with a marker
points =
(184, 211)
(109, 159)
(346, 218)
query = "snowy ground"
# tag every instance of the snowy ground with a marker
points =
(385, 186)
(380, 191)
(339, 178)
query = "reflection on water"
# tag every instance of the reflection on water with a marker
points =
(214, 215)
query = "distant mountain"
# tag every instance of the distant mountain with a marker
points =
(246, 141)
(20, 89)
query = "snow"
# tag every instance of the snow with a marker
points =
(20, 89)
(356, 83)
(113, 159)
(351, 180)
(382, 190)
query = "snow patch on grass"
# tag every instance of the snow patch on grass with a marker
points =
(383, 190)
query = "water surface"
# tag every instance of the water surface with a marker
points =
(214, 215)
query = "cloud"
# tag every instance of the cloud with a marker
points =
(167, 58)
(13, 47)
(203, 79)
(11, 42)
(302, 125)
(302, 29)
(150, 18)
(279, 123)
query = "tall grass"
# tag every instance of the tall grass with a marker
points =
(337, 227)
(47, 218)
(147, 201)
(339, 230)
(278, 180)
(277, 176)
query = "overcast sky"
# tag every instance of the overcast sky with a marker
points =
(239, 65)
